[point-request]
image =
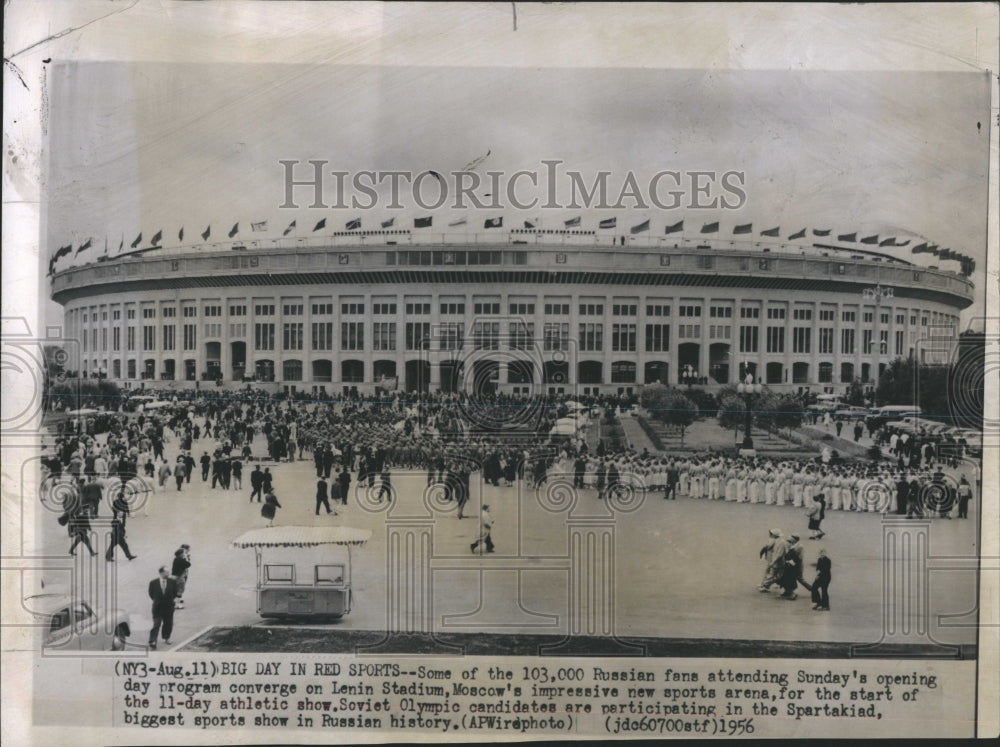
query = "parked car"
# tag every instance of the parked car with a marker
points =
(973, 440)
(71, 624)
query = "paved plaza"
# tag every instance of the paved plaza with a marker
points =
(674, 569)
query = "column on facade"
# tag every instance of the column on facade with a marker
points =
(704, 343)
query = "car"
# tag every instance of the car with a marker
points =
(973, 440)
(72, 625)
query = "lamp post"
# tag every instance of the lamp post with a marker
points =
(749, 390)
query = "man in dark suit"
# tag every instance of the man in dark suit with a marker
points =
(118, 540)
(322, 496)
(257, 484)
(673, 477)
(162, 591)
(345, 485)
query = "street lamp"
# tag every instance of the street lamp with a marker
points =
(749, 390)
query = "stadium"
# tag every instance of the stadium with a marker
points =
(522, 311)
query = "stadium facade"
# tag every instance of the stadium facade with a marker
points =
(534, 311)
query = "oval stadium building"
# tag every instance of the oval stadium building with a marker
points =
(524, 314)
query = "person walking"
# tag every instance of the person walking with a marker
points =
(457, 484)
(163, 473)
(180, 472)
(792, 574)
(237, 474)
(256, 484)
(774, 554)
(386, 487)
(79, 530)
(816, 513)
(179, 570)
(270, 507)
(964, 496)
(335, 492)
(118, 540)
(485, 528)
(345, 484)
(821, 585)
(162, 591)
(189, 465)
(322, 496)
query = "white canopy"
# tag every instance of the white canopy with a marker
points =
(293, 536)
(564, 429)
(83, 411)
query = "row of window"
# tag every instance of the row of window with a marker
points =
(523, 308)
(587, 372)
(486, 336)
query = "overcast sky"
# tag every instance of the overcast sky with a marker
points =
(149, 146)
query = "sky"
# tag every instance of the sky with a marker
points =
(140, 147)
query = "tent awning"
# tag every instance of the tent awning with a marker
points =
(293, 536)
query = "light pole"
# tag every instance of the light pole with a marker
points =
(749, 390)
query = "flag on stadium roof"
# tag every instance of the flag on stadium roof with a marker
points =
(870, 239)
(460, 222)
(121, 244)
(644, 226)
(353, 225)
(919, 248)
(319, 225)
(423, 222)
(493, 222)
(529, 224)
(798, 235)
(180, 234)
(157, 237)
(710, 227)
(771, 231)
(138, 240)
(572, 222)
(744, 228)
(85, 246)
(388, 223)
(259, 226)
(852, 237)
(289, 229)
(678, 226)
(206, 233)
(608, 223)
(933, 249)
(821, 232)
(234, 230)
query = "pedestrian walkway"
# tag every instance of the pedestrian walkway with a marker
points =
(636, 436)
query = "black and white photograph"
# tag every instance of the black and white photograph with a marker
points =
(422, 372)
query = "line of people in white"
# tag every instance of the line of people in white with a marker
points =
(781, 482)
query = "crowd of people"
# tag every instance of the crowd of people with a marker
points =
(358, 444)
(371, 437)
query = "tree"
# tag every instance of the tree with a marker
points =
(669, 406)
(786, 412)
(855, 393)
(732, 409)
(895, 385)
(931, 388)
